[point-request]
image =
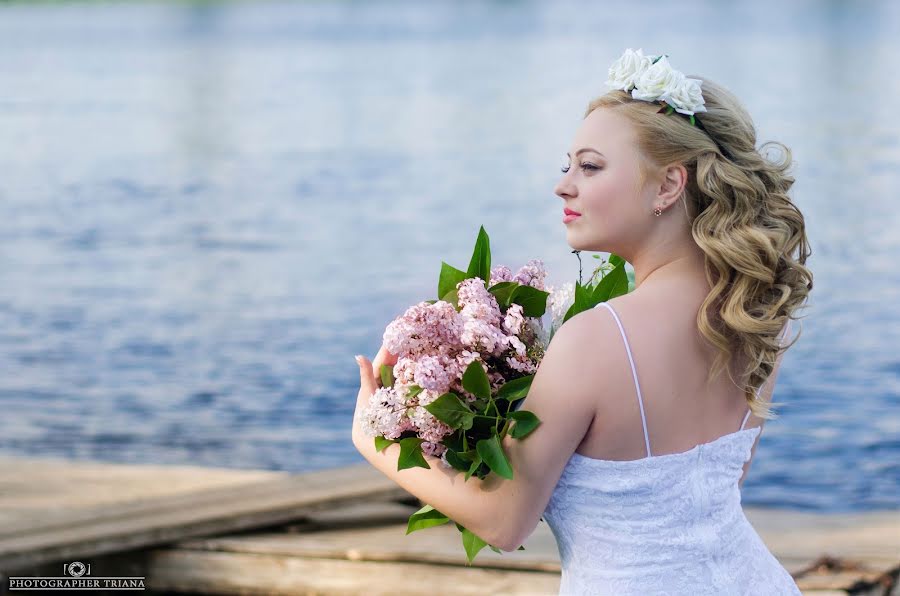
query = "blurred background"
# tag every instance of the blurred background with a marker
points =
(206, 209)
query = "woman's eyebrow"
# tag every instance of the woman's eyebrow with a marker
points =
(583, 149)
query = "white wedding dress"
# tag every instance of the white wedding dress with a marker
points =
(664, 524)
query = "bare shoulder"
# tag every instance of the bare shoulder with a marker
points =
(584, 340)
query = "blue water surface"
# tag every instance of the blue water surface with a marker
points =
(207, 209)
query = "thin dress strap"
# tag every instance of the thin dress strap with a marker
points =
(783, 334)
(633, 374)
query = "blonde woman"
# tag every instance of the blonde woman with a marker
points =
(652, 404)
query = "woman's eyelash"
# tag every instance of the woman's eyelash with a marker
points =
(589, 166)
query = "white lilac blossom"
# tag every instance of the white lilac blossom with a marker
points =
(559, 303)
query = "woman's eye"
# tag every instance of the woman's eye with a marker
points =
(584, 166)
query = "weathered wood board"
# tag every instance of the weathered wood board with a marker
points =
(339, 531)
(53, 510)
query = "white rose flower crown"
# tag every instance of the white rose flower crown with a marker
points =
(652, 79)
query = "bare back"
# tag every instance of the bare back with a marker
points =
(671, 361)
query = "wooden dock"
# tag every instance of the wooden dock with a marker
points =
(342, 531)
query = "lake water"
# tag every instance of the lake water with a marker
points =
(207, 209)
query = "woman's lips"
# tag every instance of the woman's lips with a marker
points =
(569, 215)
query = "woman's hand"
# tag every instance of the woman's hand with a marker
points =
(370, 380)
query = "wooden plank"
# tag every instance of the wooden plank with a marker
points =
(208, 572)
(439, 545)
(796, 538)
(124, 523)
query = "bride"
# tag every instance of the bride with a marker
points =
(653, 403)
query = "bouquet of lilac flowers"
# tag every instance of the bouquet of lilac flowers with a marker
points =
(464, 363)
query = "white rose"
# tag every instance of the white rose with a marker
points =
(687, 97)
(625, 70)
(657, 82)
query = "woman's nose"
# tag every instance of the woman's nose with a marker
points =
(565, 189)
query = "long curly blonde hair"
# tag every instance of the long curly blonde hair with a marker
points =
(753, 236)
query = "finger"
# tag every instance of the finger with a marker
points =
(366, 376)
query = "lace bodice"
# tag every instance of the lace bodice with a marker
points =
(665, 524)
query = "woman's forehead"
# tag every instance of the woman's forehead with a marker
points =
(604, 131)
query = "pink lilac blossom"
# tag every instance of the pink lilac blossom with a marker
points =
(435, 344)
(424, 328)
(435, 373)
(427, 426)
(521, 364)
(405, 371)
(500, 273)
(532, 274)
(476, 301)
(481, 317)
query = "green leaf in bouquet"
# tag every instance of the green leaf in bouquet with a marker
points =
(525, 423)
(583, 301)
(452, 297)
(381, 443)
(387, 375)
(492, 453)
(448, 408)
(457, 461)
(616, 260)
(503, 292)
(515, 389)
(426, 517)
(612, 282)
(472, 543)
(411, 454)
(476, 462)
(479, 405)
(476, 381)
(449, 279)
(532, 300)
(480, 264)
(414, 390)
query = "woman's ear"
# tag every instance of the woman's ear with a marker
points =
(673, 184)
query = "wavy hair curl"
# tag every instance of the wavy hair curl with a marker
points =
(752, 234)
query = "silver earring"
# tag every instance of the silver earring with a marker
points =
(657, 212)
